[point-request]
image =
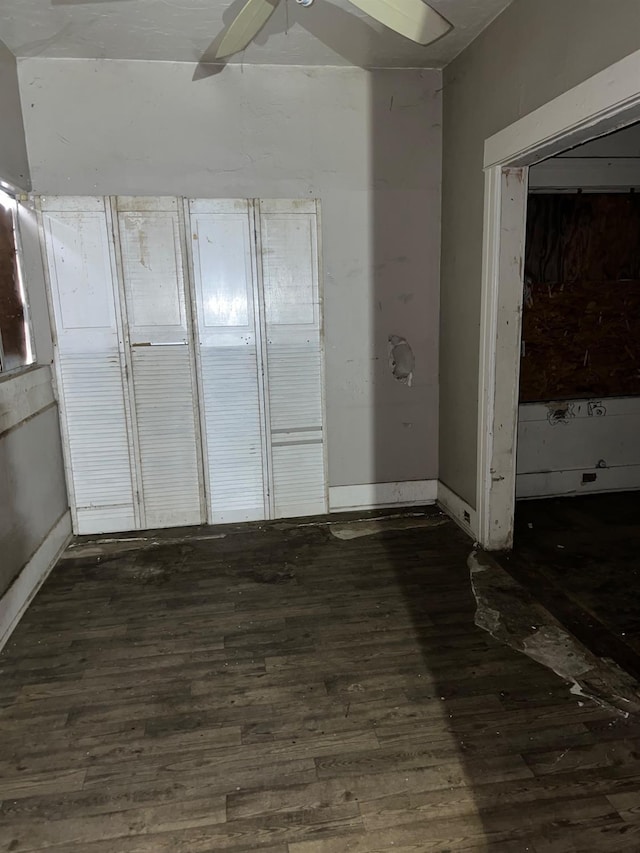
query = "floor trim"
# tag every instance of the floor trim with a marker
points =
(380, 495)
(549, 484)
(17, 598)
(465, 516)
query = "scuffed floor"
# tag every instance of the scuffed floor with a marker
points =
(580, 558)
(369, 527)
(274, 688)
(512, 615)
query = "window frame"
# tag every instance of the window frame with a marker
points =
(10, 199)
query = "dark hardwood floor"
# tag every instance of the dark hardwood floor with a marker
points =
(280, 690)
(580, 556)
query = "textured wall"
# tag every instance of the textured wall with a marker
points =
(32, 485)
(533, 52)
(14, 168)
(32, 490)
(367, 144)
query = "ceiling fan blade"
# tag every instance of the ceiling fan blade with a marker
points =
(246, 26)
(81, 2)
(411, 18)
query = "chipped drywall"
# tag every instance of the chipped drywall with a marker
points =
(402, 361)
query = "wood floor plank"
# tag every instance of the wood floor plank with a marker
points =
(187, 814)
(42, 784)
(281, 690)
(627, 805)
(122, 747)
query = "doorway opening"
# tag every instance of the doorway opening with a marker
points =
(562, 270)
(577, 518)
(607, 102)
(579, 389)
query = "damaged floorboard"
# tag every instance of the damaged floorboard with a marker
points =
(580, 557)
(282, 689)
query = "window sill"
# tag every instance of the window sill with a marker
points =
(23, 393)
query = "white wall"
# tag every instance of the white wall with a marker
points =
(533, 52)
(578, 447)
(32, 486)
(34, 521)
(368, 144)
(611, 163)
(33, 495)
(14, 167)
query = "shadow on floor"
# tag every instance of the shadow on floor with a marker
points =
(282, 688)
(581, 558)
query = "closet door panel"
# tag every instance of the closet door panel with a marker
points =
(163, 371)
(231, 399)
(165, 421)
(294, 357)
(89, 364)
(152, 266)
(234, 435)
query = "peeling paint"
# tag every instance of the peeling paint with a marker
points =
(370, 527)
(103, 546)
(560, 413)
(511, 615)
(401, 359)
(595, 409)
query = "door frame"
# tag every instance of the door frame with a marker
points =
(608, 101)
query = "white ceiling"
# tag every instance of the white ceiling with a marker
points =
(330, 32)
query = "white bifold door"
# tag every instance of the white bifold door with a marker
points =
(288, 243)
(90, 366)
(188, 359)
(162, 378)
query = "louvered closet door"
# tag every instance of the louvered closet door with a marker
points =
(289, 251)
(163, 372)
(229, 353)
(90, 369)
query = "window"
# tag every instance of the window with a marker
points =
(16, 349)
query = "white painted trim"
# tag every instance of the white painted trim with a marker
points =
(488, 321)
(603, 103)
(594, 107)
(23, 395)
(379, 495)
(589, 174)
(323, 353)
(500, 366)
(465, 516)
(184, 227)
(549, 484)
(56, 375)
(262, 358)
(17, 598)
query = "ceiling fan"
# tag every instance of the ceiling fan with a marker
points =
(411, 18)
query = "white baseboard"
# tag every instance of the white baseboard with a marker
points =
(21, 592)
(548, 484)
(381, 495)
(459, 510)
